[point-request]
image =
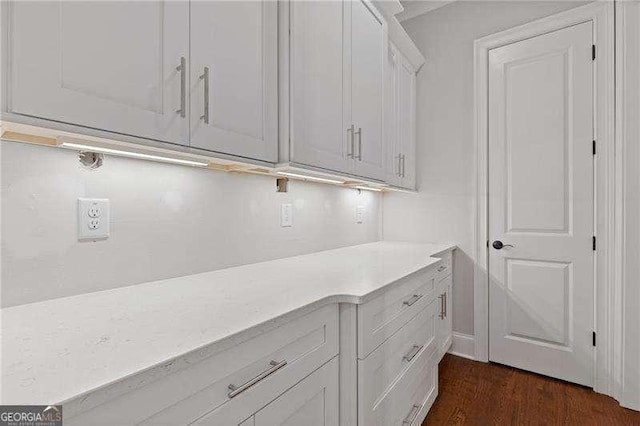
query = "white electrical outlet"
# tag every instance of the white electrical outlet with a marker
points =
(359, 214)
(93, 219)
(286, 215)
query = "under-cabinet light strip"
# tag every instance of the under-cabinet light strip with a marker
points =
(318, 179)
(133, 154)
(368, 188)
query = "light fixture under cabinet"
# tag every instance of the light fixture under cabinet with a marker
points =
(311, 178)
(368, 188)
(132, 154)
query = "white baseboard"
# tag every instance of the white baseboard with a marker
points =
(463, 345)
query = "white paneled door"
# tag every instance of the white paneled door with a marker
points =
(541, 199)
(111, 65)
(234, 77)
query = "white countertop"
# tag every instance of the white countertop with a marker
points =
(57, 350)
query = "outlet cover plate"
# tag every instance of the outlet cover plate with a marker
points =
(93, 219)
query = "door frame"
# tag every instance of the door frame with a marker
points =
(606, 186)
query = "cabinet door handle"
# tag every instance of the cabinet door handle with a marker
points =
(442, 268)
(413, 300)
(412, 416)
(182, 69)
(359, 133)
(412, 353)
(398, 173)
(205, 78)
(403, 169)
(441, 315)
(350, 146)
(445, 305)
(237, 390)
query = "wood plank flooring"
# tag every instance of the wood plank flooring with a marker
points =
(475, 393)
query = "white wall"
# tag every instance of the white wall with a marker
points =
(166, 221)
(443, 209)
(628, 133)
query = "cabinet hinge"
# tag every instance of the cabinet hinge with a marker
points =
(594, 243)
(594, 147)
(593, 52)
(594, 338)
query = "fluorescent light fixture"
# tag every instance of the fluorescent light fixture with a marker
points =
(133, 154)
(368, 188)
(313, 178)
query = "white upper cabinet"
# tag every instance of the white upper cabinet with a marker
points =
(105, 65)
(234, 78)
(319, 119)
(336, 87)
(367, 52)
(400, 121)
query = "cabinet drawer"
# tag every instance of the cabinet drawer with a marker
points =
(408, 400)
(258, 369)
(385, 365)
(383, 316)
(446, 266)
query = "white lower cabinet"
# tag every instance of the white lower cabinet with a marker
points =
(445, 323)
(312, 402)
(398, 375)
(370, 364)
(402, 335)
(229, 386)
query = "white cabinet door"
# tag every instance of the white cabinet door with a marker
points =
(234, 78)
(400, 124)
(367, 55)
(319, 119)
(105, 65)
(445, 323)
(392, 149)
(406, 126)
(312, 402)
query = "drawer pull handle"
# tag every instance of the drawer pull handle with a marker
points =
(412, 353)
(413, 300)
(237, 390)
(441, 268)
(415, 410)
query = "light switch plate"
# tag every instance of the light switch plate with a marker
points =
(286, 216)
(93, 219)
(360, 214)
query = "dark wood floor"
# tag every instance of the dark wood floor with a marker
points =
(475, 393)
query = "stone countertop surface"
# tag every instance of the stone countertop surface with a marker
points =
(98, 345)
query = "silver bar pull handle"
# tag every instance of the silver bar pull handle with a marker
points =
(441, 314)
(237, 390)
(413, 300)
(359, 133)
(445, 305)
(205, 77)
(350, 146)
(182, 69)
(403, 166)
(415, 410)
(442, 268)
(412, 353)
(398, 172)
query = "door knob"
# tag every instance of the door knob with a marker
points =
(497, 244)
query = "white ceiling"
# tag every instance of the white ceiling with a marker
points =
(413, 8)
